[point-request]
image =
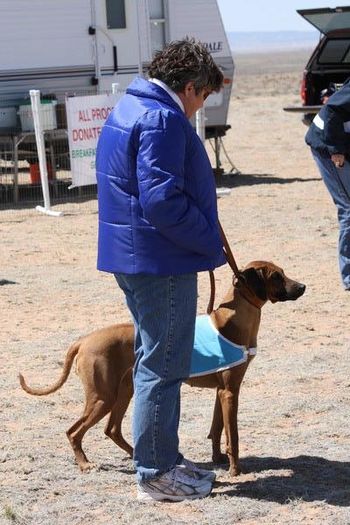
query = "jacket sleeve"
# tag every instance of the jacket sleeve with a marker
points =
(336, 114)
(335, 137)
(160, 173)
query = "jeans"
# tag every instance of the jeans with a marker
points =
(164, 312)
(337, 181)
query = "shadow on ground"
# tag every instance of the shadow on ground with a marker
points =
(4, 282)
(245, 179)
(309, 478)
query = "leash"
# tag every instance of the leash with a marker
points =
(237, 273)
(231, 262)
(229, 255)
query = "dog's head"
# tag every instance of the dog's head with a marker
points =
(269, 282)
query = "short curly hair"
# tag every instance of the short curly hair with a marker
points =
(183, 61)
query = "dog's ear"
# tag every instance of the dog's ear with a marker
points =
(256, 281)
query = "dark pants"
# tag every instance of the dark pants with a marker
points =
(337, 181)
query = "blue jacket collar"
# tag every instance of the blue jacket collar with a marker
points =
(140, 87)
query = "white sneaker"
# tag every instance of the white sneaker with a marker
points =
(175, 485)
(199, 473)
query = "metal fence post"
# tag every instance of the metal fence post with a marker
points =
(200, 129)
(115, 88)
(200, 124)
(40, 144)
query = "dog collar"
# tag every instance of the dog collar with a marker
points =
(248, 294)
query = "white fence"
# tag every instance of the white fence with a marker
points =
(35, 161)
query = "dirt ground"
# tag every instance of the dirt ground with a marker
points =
(294, 406)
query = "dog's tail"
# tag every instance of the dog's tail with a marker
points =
(72, 352)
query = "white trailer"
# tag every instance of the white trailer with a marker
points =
(84, 46)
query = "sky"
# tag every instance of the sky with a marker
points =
(269, 15)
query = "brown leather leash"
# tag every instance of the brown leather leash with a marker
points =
(248, 293)
(229, 255)
(231, 262)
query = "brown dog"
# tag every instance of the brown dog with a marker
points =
(105, 360)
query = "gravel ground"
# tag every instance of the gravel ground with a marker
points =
(293, 418)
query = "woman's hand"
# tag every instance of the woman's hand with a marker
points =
(338, 160)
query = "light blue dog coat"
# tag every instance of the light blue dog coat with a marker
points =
(212, 352)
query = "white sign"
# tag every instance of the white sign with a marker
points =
(85, 118)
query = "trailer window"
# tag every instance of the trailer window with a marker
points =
(115, 14)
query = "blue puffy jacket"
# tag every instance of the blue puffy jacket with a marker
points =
(156, 190)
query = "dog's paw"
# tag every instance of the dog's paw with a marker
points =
(235, 471)
(86, 466)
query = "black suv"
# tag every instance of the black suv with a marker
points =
(329, 64)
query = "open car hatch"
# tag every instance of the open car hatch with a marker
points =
(327, 19)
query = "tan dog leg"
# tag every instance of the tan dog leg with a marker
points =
(229, 404)
(216, 431)
(113, 427)
(95, 410)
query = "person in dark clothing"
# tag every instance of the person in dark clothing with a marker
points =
(329, 139)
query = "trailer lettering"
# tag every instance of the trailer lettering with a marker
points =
(214, 47)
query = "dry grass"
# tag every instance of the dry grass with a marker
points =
(294, 424)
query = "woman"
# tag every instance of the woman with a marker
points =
(158, 227)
